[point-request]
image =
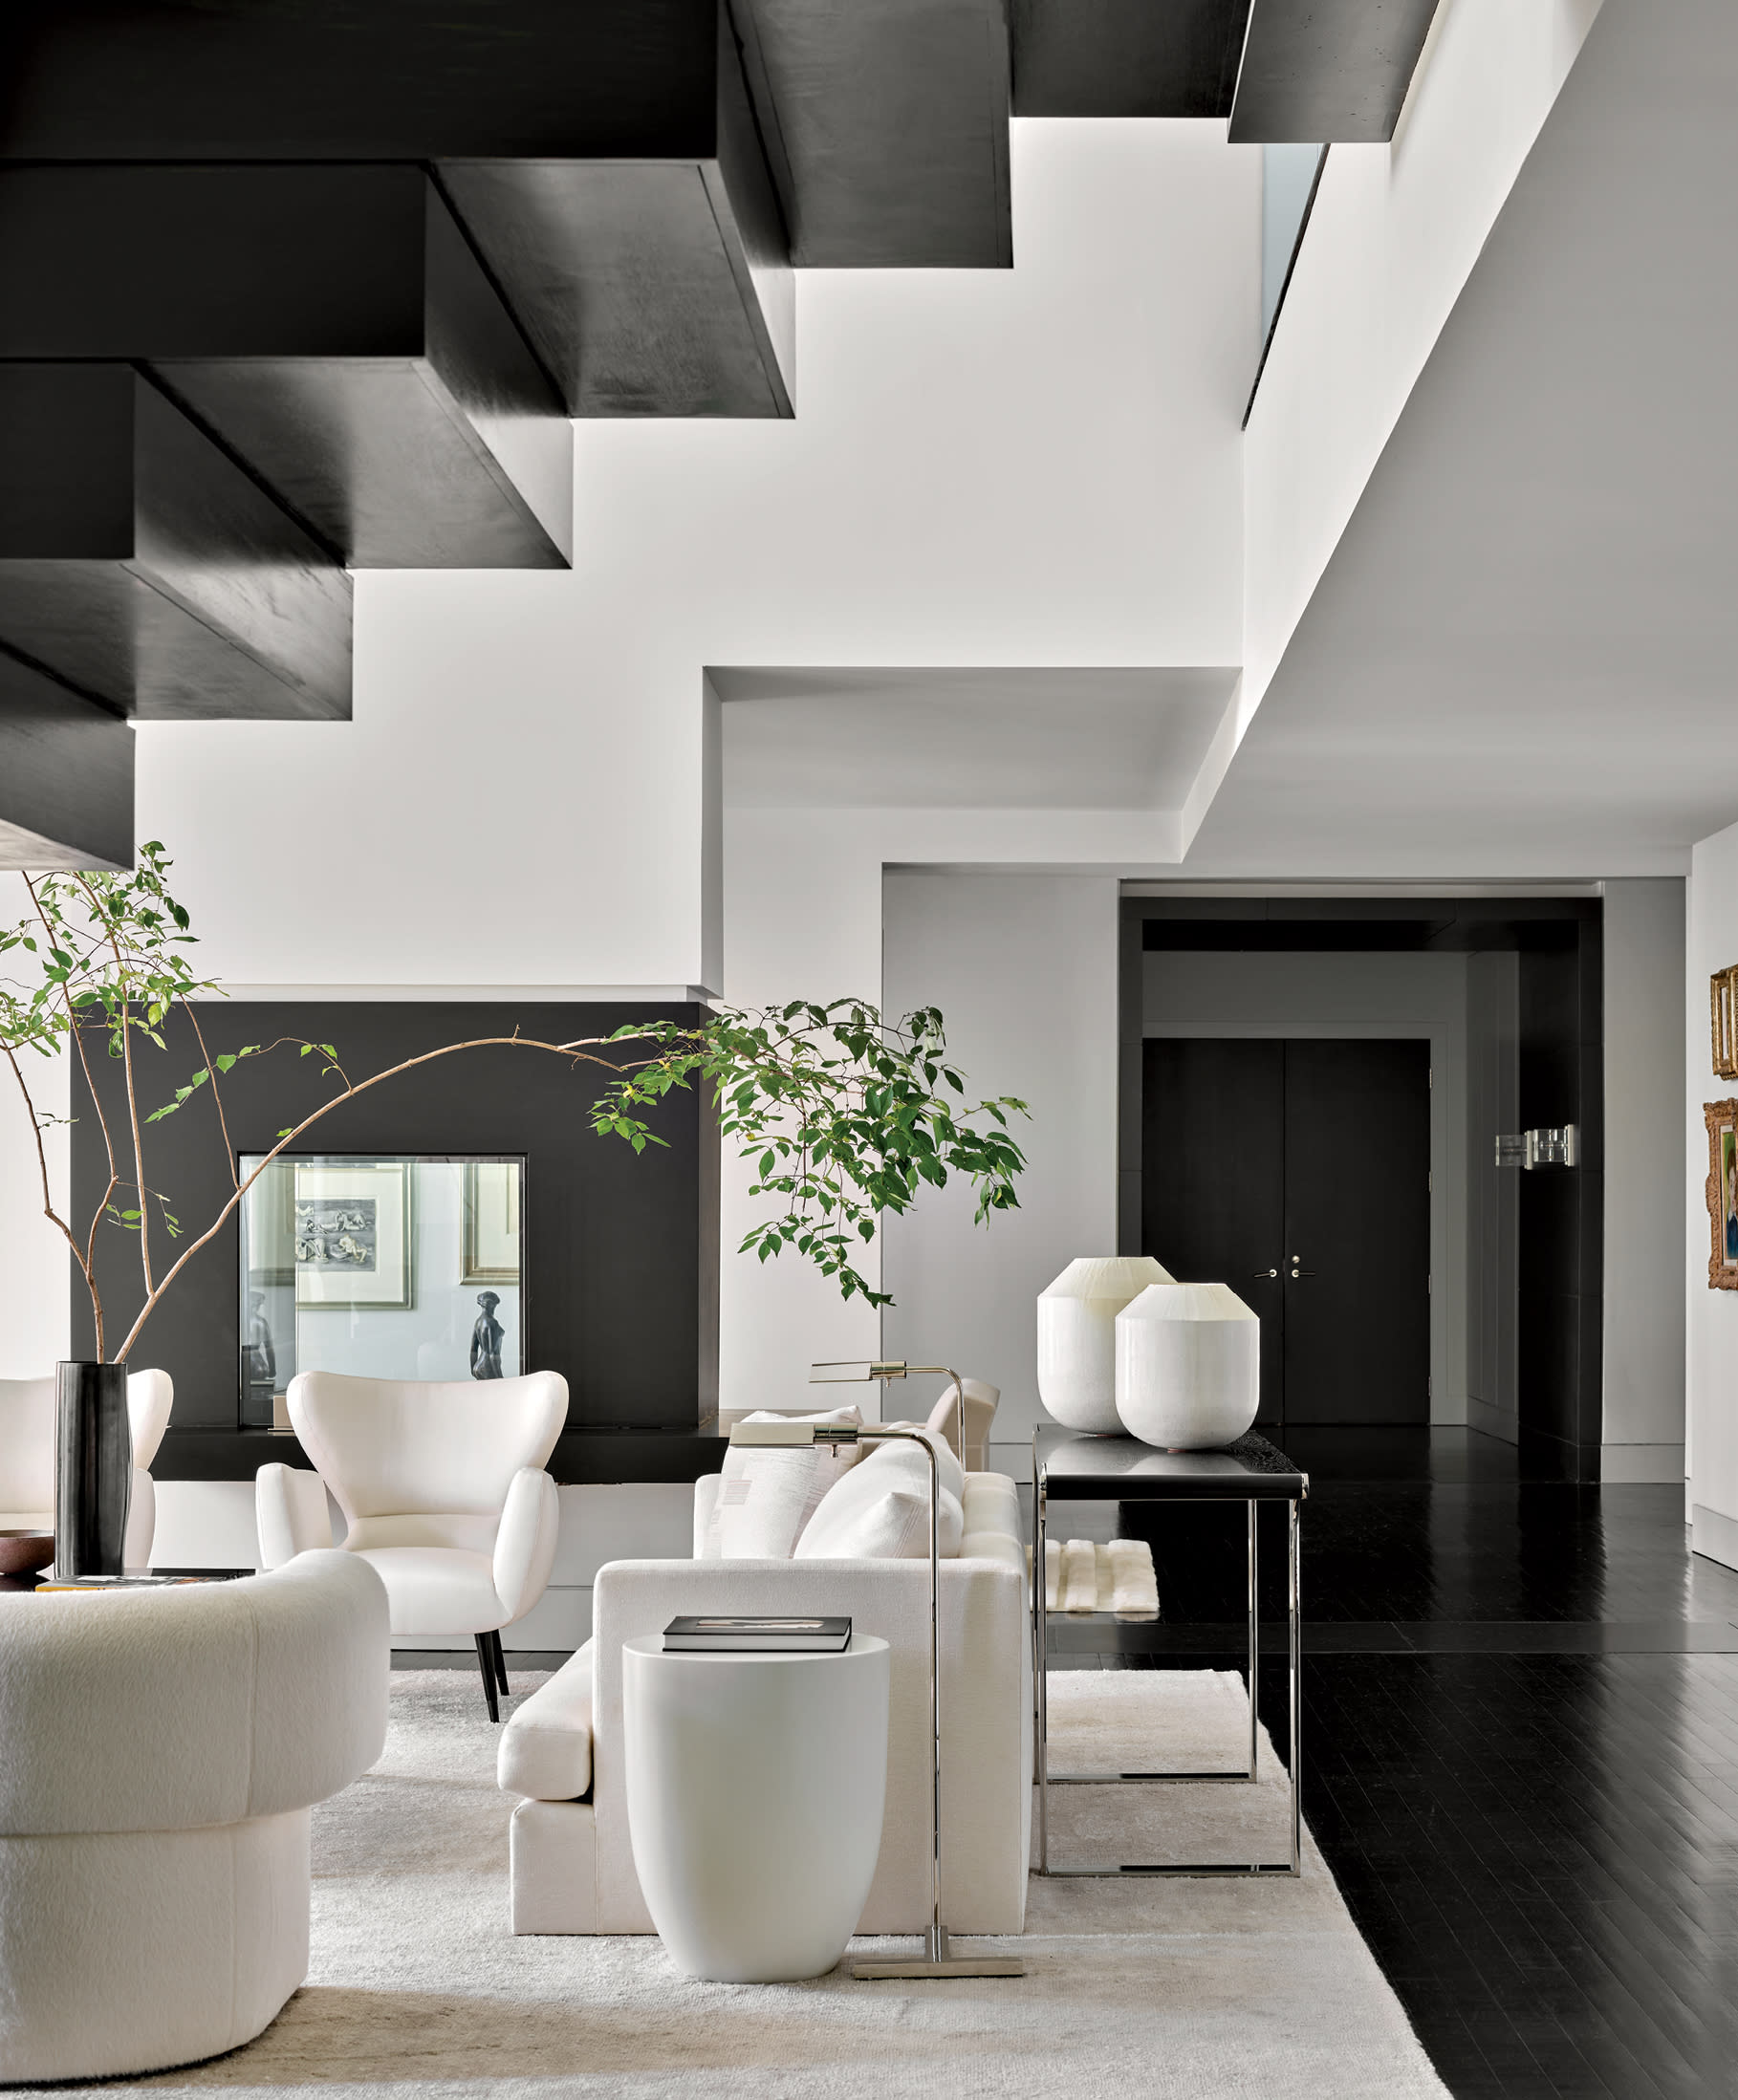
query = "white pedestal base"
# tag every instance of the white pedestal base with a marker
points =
(755, 1787)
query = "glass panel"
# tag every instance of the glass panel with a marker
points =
(1288, 183)
(381, 1268)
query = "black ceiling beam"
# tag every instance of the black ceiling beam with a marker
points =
(885, 127)
(66, 775)
(330, 323)
(603, 157)
(140, 565)
(652, 285)
(357, 79)
(1127, 57)
(1327, 72)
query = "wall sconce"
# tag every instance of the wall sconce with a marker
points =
(1556, 1147)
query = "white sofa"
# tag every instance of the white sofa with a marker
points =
(572, 1859)
(159, 1751)
(27, 1456)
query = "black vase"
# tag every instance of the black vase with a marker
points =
(93, 1469)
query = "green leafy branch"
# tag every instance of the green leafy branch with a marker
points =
(843, 1116)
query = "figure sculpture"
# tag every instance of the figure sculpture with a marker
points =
(485, 1339)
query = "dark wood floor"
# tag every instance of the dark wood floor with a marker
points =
(1521, 1755)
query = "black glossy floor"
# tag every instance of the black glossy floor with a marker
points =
(1521, 1754)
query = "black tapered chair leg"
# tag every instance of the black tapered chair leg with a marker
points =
(501, 1665)
(486, 1662)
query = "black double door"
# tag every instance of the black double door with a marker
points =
(1298, 1171)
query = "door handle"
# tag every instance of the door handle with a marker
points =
(1300, 1275)
(1260, 1272)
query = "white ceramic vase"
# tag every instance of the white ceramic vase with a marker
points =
(1189, 1366)
(1077, 1337)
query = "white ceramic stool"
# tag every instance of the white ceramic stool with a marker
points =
(755, 1785)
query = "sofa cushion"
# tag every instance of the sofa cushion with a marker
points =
(992, 1502)
(436, 1589)
(995, 1546)
(546, 1748)
(880, 1511)
(769, 1492)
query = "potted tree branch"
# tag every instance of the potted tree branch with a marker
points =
(844, 1118)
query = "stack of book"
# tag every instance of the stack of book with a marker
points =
(718, 1636)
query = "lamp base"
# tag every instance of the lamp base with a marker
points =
(937, 1961)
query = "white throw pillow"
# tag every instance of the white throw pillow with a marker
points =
(880, 1511)
(769, 1492)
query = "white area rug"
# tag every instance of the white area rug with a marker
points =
(1135, 1990)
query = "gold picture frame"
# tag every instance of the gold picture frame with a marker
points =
(1723, 1022)
(1722, 1190)
(492, 1221)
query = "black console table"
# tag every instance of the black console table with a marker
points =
(1081, 1468)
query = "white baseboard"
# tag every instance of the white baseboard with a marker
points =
(1713, 1535)
(1629, 1465)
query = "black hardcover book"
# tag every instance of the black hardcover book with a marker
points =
(748, 1635)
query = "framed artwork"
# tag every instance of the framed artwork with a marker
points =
(491, 1221)
(354, 1236)
(271, 1227)
(1721, 1119)
(1723, 1023)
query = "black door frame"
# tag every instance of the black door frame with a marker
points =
(1559, 944)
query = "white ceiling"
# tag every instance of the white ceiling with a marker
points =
(967, 739)
(1523, 655)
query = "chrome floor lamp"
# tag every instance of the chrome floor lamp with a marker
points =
(938, 1959)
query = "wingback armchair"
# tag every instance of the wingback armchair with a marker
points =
(27, 1456)
(442, 1491)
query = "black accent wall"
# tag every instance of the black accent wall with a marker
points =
(621, 1251)
(1562, 1215)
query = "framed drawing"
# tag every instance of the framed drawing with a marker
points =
(491, 1221)
(354, 1235)
(1723, 1023)
(1721, 1119)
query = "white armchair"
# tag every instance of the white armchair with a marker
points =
(160, 1752)
(442, 1491)
(27, 1456)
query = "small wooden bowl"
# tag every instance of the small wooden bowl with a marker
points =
(22, 1552)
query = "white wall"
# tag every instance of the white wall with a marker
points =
(1024, 967)
(1354, 995)
(1711, 1316)
(1393, 235)
(35, 1270)
(802, 919)
(1643, 1435)
(1031, 466)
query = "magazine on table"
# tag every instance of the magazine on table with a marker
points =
(732, 1636)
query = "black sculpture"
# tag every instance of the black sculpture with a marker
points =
(486, 1339)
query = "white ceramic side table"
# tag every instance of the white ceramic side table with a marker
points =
(755, 1787)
